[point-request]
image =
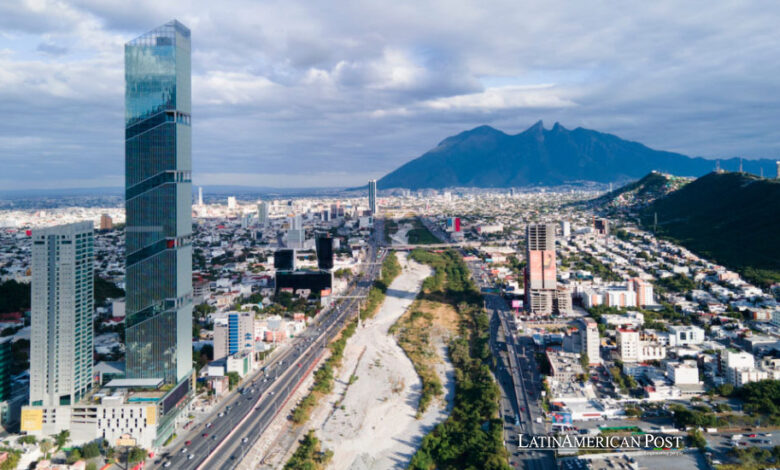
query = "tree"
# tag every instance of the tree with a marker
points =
(697, 439)
(46, 445)
(74, 456)
(233, 379)
(62, 438)
(28, 440)
(585, 361)
(90, 450)
(91, 466)
(136, 454)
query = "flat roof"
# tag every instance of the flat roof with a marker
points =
(133, 383)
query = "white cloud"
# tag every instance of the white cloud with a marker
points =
(297, 89)
(505, 97)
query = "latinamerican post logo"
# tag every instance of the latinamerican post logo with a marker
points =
(568, 441)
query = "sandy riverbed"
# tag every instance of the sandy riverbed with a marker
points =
(373, 425)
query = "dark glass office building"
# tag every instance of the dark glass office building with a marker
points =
(158, 203)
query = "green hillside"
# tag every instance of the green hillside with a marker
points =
(642, 192)
(731, 218)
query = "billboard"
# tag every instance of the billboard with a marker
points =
(562, 418)
(151, 415)
(516, 304)
(541, 269)
(32, 419)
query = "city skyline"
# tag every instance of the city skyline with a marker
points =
(298, 105)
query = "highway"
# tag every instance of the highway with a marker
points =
(221, 441)
(518, 377)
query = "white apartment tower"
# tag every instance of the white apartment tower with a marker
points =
(62, 305)
(589, 339)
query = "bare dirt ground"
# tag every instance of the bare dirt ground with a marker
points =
(368, 421)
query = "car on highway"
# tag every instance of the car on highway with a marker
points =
(190, 457)
(167, 464)
(184, 449)
(205, 434)
(208, 425)
(221, 414)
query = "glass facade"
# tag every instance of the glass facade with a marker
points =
(158, 195)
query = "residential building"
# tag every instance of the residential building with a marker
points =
(644, 291)
(683, 373)
(628, 345)
(106, 223)
(589, 339)
(233, 333)
(61, 314)
(683, 335)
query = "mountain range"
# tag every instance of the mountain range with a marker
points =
(489, 158)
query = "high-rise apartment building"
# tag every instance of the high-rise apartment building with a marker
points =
(62, 305)
(158, 203)
(200, 196)
(106, 222)
(628, 344)
(262, 213)
(540, 271)
(589, 339)
(372, 196)
(233, 334)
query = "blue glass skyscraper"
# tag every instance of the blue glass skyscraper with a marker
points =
(158, 203)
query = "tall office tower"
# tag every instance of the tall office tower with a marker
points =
(232, 203)
(540, 271)
(158, 203)
(372, 196)
(284, 260)
(200, 196)
(62, 305)
(324, 246)
(262, 213)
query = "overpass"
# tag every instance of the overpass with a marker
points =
(434, 246)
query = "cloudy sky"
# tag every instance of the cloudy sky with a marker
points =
(309, 93)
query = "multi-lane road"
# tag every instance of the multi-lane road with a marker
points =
(519, 380)
(222, 440)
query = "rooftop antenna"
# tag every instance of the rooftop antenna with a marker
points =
(740, 165)
(717, 166)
